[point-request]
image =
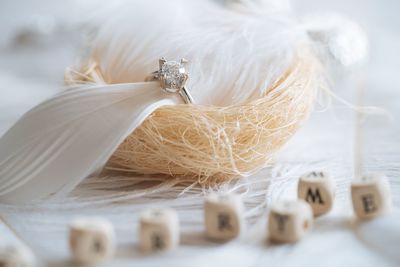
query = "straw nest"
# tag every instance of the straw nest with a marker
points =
(208, 143)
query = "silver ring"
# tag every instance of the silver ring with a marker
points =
(172, 76)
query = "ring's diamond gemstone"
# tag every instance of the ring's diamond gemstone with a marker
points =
(173, 75)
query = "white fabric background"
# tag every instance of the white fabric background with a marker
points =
(30, 74)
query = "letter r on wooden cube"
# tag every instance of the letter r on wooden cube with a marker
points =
(317, 188)
(371, 196)
(289, 221)
(223, 216)
(159, 230)
(91, 240)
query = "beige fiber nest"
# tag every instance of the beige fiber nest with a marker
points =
(209, 143)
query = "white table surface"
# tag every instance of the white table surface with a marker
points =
(30, 74)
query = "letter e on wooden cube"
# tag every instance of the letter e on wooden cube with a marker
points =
(371, 196)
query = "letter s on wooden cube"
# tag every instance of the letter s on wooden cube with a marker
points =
(91, 240)
(289, 221)
(371, 196)
(223, 216)
(159, 230)
(317, 188)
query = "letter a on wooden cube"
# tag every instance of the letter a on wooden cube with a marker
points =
(289, 221)
(159, 230)
(223, 216)
(16, 255)
(371, 196)
(91, 240)
(317, 188)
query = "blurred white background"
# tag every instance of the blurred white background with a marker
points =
(39, 38)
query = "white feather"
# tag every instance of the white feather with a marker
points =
(235, 53)
(63, 140)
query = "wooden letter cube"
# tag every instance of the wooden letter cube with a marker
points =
(91, 240)
(317, 188)
(289, 221)
(159, 230)
(223, 216)
(16, 255)
(371, 196)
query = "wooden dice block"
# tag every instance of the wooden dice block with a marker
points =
(91, 240)
(159, 230)
(223, 216)
(317, 188)
(289, 221)
(16, 255)
(371, 196)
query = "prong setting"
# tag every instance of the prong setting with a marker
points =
(161, 61)
(172, 75)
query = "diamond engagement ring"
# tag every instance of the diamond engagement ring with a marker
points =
(172, 76)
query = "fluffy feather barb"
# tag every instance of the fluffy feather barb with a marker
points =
(235, 53)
